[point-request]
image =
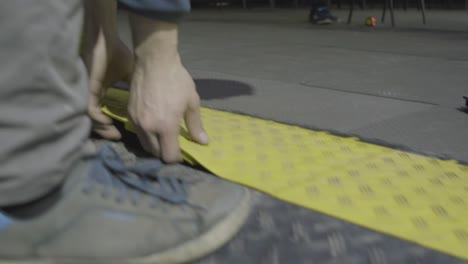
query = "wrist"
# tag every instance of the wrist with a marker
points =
(158, 64)
(154, 40)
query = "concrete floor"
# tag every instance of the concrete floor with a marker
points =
(403, 86)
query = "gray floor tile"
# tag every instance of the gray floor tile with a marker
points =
(439, 130)
(297, 104)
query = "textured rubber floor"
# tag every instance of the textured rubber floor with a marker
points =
(414, 197)
(279, 232)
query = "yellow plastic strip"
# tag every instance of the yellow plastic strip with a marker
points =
(414, 197)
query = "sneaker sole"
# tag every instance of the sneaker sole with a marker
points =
(192, 250)
(209, 242)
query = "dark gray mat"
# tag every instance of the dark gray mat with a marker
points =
(278, 233)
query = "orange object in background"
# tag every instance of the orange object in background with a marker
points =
(371, 21)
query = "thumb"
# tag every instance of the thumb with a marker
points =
(195, 126)
(102, 124)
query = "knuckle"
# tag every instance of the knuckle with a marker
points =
(146, 124)
(153, 124)
(165, 129)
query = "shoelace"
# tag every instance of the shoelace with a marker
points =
(113, 175)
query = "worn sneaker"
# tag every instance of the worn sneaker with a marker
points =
(121, 214)
(322, 16)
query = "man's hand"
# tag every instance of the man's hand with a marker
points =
(107, 59)
(162, 91)
(162, 95)
(118, 69)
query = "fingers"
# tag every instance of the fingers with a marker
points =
(107, 132)
(160, 97)
(194, 124)
(148, 141)
(164, 145)
(169, 142)
(103, 126)
(162, 138)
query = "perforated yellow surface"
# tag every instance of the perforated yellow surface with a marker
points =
(417, 198)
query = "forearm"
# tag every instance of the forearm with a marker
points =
(154, 27)
(162, 91)
(155, 47)
(100, 32)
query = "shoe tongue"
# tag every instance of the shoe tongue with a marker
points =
(108, 166)
(108, 169)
